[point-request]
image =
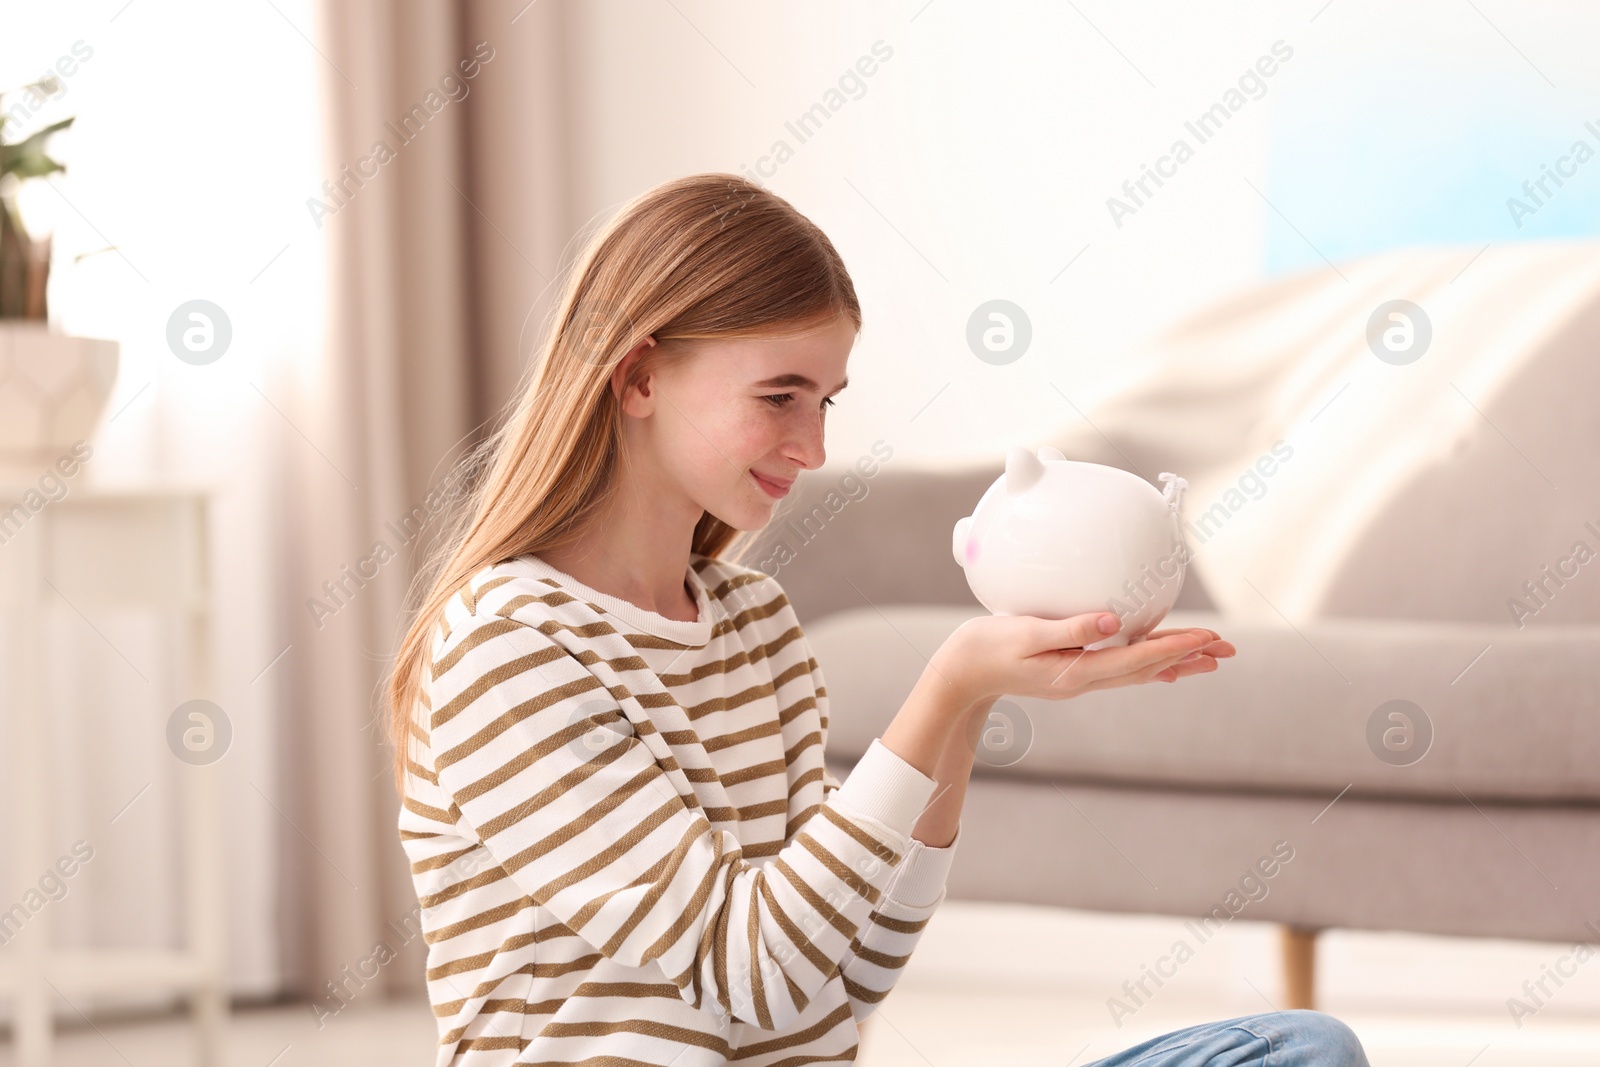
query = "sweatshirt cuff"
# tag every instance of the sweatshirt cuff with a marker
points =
(922, 876)
(884, 787)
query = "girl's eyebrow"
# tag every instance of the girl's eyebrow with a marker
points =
(792, 380)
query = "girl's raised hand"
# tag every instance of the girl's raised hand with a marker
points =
(1022, 655)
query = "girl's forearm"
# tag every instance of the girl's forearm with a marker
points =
(937, 825)
(933, 710)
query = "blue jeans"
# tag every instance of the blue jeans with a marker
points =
(1270, 1039)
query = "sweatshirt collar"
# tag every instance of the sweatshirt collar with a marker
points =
(696, 633)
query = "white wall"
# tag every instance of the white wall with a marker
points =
(978, 162)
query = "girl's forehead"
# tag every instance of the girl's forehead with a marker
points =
(818, 356)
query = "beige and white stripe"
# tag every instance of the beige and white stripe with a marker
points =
(697, 889)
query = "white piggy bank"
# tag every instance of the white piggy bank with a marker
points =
(1054, 538)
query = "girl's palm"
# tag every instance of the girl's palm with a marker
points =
(1022, 655)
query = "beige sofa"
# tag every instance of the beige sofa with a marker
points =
(1179, 799)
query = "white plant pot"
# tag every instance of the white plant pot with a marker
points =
(53, 390)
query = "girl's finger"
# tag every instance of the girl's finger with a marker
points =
(1189, 630)
(1218, 647)
(1080, 630)
(1130, 660)
(1205, 664)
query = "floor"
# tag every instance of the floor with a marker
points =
(1030, 986)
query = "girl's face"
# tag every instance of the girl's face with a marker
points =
(727, 427)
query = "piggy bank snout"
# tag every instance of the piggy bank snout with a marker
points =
(960, 539)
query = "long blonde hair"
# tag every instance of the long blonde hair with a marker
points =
(706, 256)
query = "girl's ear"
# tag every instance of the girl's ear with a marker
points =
(624, 367)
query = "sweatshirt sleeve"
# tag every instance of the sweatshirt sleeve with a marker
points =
(601, 838)
(878, 955)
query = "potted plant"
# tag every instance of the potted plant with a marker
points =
(53, 387)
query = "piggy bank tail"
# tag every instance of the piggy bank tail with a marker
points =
(1173, 495)
(1173, 489)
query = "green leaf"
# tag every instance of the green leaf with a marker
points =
(27, 158)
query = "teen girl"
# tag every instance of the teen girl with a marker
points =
(609, 735)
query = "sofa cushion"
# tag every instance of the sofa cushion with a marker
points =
(1512, 712)
(1512, 870)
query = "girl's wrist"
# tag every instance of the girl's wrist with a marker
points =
(937, 827)
(948, 668)
(969, 727)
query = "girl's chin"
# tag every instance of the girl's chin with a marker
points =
(745, 517)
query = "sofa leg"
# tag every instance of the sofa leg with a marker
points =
(1299, 965)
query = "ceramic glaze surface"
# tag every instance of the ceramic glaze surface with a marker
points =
(1054, 538)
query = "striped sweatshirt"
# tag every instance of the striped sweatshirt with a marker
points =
(624, 840)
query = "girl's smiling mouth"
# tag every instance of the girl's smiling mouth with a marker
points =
(778, 490)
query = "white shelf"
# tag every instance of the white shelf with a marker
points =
(96, 549)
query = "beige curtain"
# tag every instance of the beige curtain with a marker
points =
(438, 266)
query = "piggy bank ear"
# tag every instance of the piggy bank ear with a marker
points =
(1051, 452)
(1023, 469)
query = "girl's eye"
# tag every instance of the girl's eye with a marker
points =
(778, 400)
